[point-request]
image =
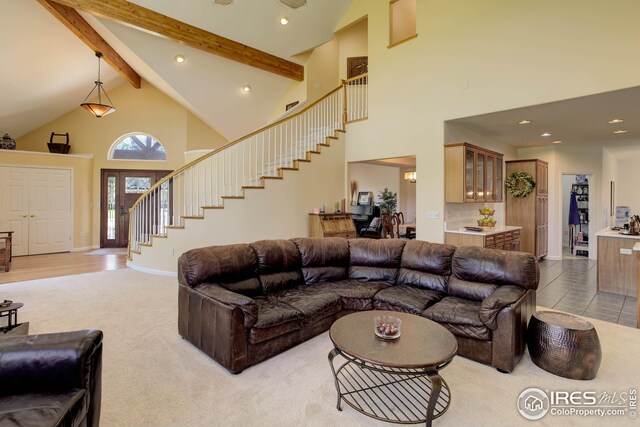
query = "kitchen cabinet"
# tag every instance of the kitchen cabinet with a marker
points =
(331, 225)
(531, 212)
(472, 174)
(505, 238)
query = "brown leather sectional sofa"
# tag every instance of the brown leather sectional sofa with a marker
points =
(244, 303)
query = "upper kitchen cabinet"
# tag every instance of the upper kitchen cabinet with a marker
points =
(472, 174)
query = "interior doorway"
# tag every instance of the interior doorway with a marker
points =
(577, 237)
(120, 188)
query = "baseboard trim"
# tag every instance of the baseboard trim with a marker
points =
(133, 266)
(85, 248)
(553, 257)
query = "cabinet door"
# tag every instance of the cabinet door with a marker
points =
(469, 175)
(499, 185)
(480, 176)
(491, 179)
(542, 184)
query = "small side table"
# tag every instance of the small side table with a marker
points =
(564, 345)
(13, 327)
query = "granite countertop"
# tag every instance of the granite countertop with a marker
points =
(607, 232)
(486, 231)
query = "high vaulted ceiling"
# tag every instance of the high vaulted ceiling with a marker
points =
(47, 71)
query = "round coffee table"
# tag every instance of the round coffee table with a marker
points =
(564, 345)
(392, 380)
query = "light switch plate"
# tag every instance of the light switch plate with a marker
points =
(433, 214)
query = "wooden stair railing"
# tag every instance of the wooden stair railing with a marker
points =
(244, 164)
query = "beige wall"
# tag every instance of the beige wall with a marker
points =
(628, 176)
(477, 57)
(352, 41)
(200, 136)
(375, 178)
(82, 176)
(145, 110)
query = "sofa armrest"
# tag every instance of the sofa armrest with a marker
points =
(53, 363)
(499, 299)
(224, 296)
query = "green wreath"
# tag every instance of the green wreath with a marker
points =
(520, 184)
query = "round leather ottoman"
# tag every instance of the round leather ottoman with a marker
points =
(564, 345)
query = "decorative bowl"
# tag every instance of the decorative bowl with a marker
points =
(485, 224)
(486, 211)
(387, 327)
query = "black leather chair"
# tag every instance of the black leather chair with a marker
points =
(51, 379)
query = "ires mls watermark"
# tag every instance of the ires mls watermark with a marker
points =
(535, 403)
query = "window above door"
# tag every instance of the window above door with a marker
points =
(137, 146)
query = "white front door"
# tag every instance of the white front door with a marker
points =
(14, 207)
(36, 205)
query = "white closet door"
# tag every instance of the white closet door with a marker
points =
(14, 207)
(49, 211)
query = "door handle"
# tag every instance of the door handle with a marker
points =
(24, 216)
(32, 215)
(123, 211)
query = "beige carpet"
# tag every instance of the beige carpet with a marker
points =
(151, 377)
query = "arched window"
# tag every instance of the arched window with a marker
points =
(137, 146)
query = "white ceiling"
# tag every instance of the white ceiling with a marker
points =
(578, 121)
(52, 71)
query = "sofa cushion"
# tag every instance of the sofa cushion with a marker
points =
(406, 298)
(475, 264)
(460, 316)
(232, 266)
(355, 295)
(278, 264)
(311, 302)
(274, 319)
(470, 290)
(375, 260)
(426, 265)
(43, 409)
(323, 259)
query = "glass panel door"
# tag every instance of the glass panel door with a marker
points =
(469, 174)
(499, 183)
(480, 177)
(490, 196)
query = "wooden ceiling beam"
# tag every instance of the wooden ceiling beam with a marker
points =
(85, 32)
(133, 15)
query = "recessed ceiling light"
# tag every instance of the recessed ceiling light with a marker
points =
(524, 122)
(246, 88)
(223, 2)
(284, 20)
(180, 59)
(620, 131)
(614, 121)
(546, 134)
(557, 142)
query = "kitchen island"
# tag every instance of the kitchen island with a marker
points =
(617, 265)
(505, 237)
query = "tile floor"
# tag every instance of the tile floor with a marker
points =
(570, 285)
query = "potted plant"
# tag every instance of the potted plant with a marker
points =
(388, 201)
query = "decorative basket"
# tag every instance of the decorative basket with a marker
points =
(7, 143)
(58, 147)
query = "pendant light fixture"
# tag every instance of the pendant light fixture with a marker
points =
(98, 109)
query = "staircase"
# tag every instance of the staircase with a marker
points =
(225, 174)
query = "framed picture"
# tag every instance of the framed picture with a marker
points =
(365, 198)
(290, 106)
(357, 65)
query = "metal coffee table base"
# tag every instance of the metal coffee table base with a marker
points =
(402, 396)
